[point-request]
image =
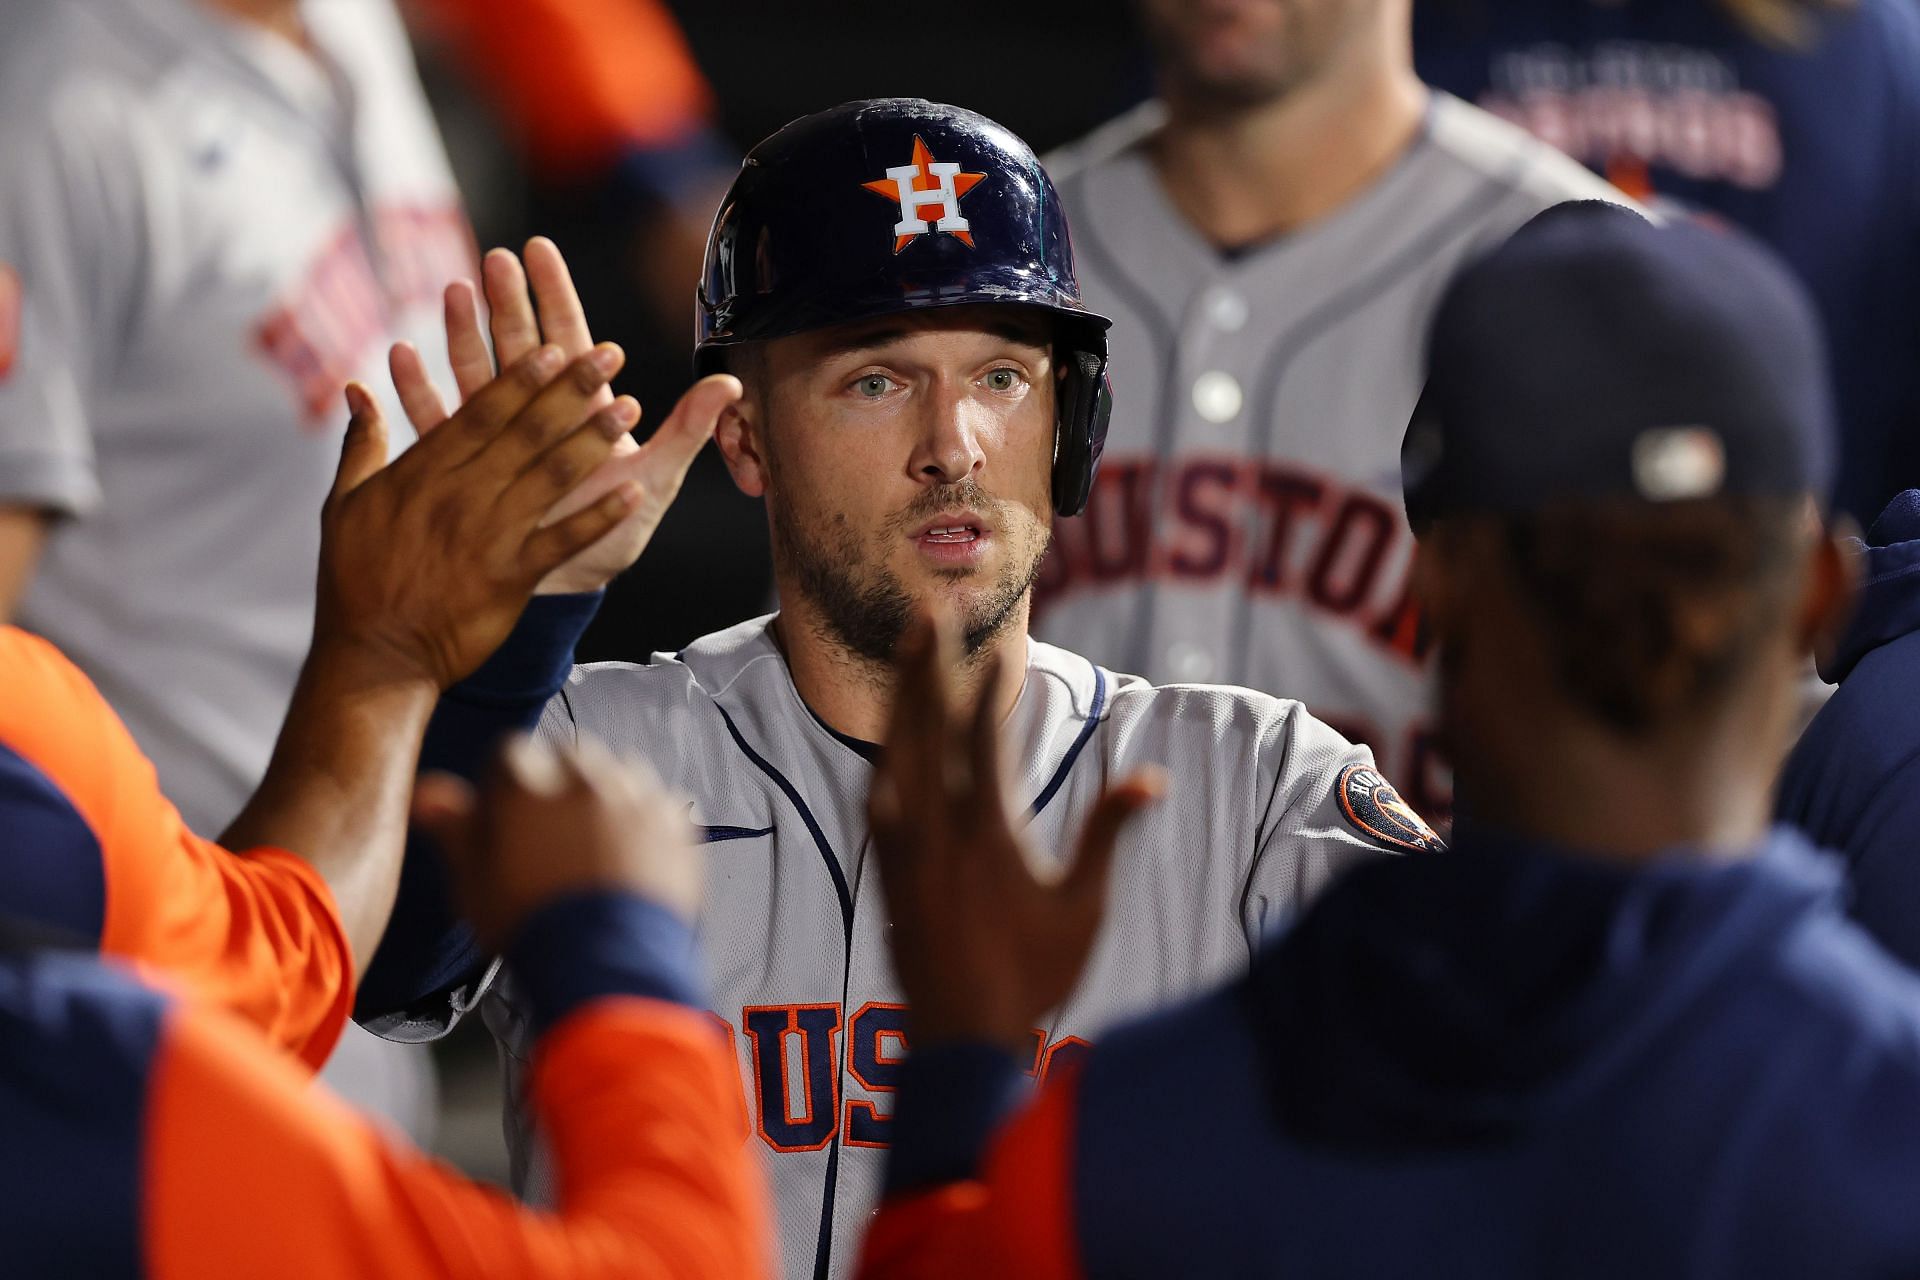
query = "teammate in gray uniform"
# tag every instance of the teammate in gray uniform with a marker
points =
(213, 213)
(924, 393)
(1271, 236)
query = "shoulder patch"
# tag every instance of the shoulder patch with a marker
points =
(1374, 808)
(10, 306)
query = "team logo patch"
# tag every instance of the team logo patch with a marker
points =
(922, 185)
(1372, 805)
(10, 304)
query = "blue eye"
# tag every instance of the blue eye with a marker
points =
(873, 386)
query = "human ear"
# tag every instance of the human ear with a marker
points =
(743, 446)
(1833, 588)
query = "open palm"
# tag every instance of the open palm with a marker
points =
(537, 303)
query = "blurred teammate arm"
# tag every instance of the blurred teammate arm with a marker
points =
(249, 1174)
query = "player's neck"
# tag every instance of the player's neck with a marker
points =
(281, 17)
(853, 694)
(1566, 781)
(1251, 174)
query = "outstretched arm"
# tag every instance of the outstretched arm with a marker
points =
(428, 952)
(250, 1173)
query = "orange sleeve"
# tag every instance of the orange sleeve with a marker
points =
(1015, 1220)
(582, 79)
(255, 932)
(249, 1173)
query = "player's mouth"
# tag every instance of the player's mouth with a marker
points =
(953, 539)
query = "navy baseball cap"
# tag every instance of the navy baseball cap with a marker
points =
(1598, 355)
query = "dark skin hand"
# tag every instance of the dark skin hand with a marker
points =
(425, 565)
(983, 947)
(526, 303)
(550, 823)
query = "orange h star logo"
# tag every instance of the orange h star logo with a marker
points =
(920, 184)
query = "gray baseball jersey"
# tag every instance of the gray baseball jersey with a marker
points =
(1246, 526)
(1265, 804)
(203, 234)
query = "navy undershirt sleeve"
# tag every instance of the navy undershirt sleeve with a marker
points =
(952, 1098)
(598, 943)
(427, 949)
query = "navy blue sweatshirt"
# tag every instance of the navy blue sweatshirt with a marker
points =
(1853, 781)
(1506, 1061)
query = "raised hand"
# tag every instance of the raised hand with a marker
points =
(551, 823)
(425, 563)
(983, 947)
(523, 305)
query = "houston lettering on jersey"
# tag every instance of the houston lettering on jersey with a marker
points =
(1275, 526)
(798, 1054)
(320, 334)
(1628, 106)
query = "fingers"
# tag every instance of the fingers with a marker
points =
(556, 472)
(418, 396)
(558, 408)
(466, 345)
(363, 451)
(1085, 884)
(477, 423)
(547, 549)
(516, 331)
(443, 806)
(670, 451)
(561, 318)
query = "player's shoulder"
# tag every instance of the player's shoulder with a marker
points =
(640, 696)
(1108, 142)
(1503, 154)
(62, 59)
(1225, 715)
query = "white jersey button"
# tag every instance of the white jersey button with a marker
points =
(1227, 310)
(1217, 396)
(1188, 663)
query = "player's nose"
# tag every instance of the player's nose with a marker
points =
(949, 447)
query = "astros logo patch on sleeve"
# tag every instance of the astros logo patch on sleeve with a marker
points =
(925, 183)
(10, 304)
(1375, 809)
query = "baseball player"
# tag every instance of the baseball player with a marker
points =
(1623, 1028)
(424, 566)
(1270, 235)
(1797, 120)
(925, 397)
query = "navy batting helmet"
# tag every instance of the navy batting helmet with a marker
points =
(892, 205)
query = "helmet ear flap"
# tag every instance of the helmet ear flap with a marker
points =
(1085, 405)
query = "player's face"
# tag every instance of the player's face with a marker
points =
(909, 459)
(1248, 52)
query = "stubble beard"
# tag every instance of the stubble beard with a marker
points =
(865, 610)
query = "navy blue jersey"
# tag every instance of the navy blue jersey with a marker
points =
(1815, 150)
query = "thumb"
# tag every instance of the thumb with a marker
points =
(688, 428)
(364, 449)
(1085, 883)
